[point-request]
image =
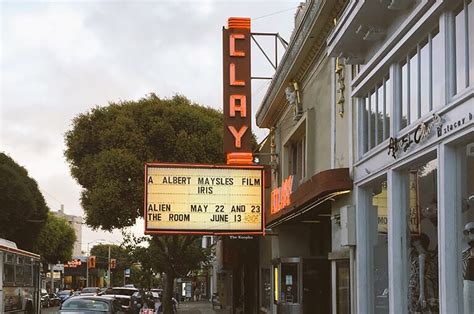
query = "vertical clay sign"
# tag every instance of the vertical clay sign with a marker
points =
(237, 91)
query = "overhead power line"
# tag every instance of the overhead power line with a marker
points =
(274, 13)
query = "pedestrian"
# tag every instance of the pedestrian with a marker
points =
(197, 294)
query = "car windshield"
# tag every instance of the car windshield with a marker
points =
(118, 291)
(85, 304)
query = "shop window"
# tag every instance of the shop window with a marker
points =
(379, 231)
(423, 286)
(375, 115)
(421, 85)
(343, 294)
(464, 38)
(467, 225)
(289, 283)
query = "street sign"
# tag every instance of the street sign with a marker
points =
(203, 199)
(127, 272)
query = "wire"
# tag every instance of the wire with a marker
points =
(274, 13)
(50, 195)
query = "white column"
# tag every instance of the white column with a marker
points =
(398, 268)
(365, 302)
(449, 212)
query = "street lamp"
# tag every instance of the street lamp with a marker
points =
(87, 259)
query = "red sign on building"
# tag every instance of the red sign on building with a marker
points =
(237, 91)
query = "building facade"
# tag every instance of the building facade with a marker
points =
(371, 113)
(412, 98)
(76, 223)
(307, 253)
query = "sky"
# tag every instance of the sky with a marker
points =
(59, 59)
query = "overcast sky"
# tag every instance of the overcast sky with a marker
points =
(60, 58)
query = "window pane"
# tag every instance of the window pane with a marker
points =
(289, 283)
(365, 124)
(388, 107)
(467, 225)
(425, 79)
(460, 35)
(423, 240)
(438, 70)
(373, 113)
(9, 275)
(470, 29)
(405, 100)
(414, 88)
(380, 248)
(380, 114)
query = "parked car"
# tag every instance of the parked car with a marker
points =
(54, 300)
(123, 295)
(64, 295)
(45, 301)
(90, 291)
(91, 304)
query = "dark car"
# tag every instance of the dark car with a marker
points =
(45, 301)
(54, 300)
(91, 304)
(123, 295)
(64, 295)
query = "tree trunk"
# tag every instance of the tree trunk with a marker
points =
(168, 292)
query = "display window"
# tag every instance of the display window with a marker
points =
(422, 246)
(466, 256)
(379, 232)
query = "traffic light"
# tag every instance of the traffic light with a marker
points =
(91, 262)
(113, 263)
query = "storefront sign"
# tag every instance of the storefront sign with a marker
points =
(203, 199)
(73, 264)
(280, 197)
(447, 128)
(416, 136)
(237, 89)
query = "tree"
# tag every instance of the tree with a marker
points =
(22, 205)
(56, 240)
(101, 252)
(106, 150)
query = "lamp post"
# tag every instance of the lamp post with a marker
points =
(87, 259)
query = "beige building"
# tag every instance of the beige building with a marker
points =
(76, 224)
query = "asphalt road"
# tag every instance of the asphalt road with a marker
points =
(50, 309)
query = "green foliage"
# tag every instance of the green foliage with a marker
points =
(22, 206)
(56, 240)
(107, 147)
(120, 254)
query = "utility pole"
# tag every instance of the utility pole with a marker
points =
(108, 272)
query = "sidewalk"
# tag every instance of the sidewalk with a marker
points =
(199, 307)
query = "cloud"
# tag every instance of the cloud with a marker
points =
(59, 59)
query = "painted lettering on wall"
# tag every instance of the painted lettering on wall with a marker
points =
(416, 136)
(446, 128)
(281, 196)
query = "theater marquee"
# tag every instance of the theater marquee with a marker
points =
(203, 199)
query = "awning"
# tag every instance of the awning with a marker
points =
(321, 187)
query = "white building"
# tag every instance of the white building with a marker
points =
(76, 224)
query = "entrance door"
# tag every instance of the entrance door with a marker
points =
(316, 286)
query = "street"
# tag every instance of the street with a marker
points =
(201, 307)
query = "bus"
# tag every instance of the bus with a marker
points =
(20, 281)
